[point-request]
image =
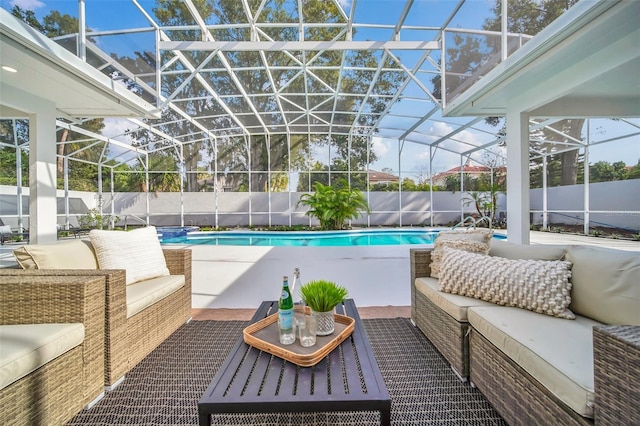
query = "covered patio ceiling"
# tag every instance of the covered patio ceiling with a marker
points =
(280, 68)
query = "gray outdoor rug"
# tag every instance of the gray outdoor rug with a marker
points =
(165, 387)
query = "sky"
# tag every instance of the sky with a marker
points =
(118, 14)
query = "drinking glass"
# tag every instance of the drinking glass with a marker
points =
(307, 331)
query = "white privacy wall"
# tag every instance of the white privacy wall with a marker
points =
(611, 204)
(614, 204)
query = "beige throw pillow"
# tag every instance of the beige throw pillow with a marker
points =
(138, 252)
(73, 254)
(472, 240)
(606, 284)
(540, 286)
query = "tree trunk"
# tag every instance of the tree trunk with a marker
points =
(63, 138)
(569, 159)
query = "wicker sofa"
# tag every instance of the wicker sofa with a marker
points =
(526, 363)
(52, 345)
(131, 332)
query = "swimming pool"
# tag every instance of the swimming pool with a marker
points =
(378, 237)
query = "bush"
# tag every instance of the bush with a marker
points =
(332, 206)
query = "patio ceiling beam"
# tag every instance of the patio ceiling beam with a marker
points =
(372, 85)
(274, 46)
(339, 83)
(144, 85)
(456, 131)
(420, 122)
(155, 131)
(401, 89)
(412, 75)
(185, 61)
(225, 62)
(97, 136)
(187, 80)
(564, 135)
(403, 17)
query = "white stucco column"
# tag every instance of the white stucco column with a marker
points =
(42, 173)
(518, 177)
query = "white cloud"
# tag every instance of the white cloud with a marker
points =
(116, 127)
(27, 4)
(379, 147)
(440, 129)
(345, 3)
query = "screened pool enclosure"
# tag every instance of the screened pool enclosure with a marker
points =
(223, 113)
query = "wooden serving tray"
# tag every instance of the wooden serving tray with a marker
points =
(264, 335)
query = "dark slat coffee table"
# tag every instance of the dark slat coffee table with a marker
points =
(252, 381)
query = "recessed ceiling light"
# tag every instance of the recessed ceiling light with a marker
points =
(9, 69)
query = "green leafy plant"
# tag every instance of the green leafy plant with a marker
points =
(485, 202)
(595, 233)
(333, 205)
(322, 296)
(94, 220)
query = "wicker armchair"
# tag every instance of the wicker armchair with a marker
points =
(58, 390)
(129, 340)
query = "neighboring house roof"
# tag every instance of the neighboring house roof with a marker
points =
(381, 177)
(440, 178)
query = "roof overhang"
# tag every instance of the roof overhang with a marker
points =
(48, 71)
(584, 64)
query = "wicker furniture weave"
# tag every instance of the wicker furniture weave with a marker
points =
(515, 394)
(129, 340)
(55, 392)
(616, 352)
(518, 397)
(447, 334)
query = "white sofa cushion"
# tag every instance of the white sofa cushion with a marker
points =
(138, 252)
(527, 251)
(72, 254)
(472, 240)
(26, 347)
(557, 353)
(606, 284)
(452, 304)
(537, 285)
(143, 294)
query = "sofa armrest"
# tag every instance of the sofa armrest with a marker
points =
(616, 353)
(32, 299)
(420, 260)
(178, 262)
(115, 310)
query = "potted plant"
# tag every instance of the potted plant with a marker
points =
(322, 297)
(333, 205)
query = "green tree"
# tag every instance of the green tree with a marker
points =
(531, 17)
(469, 56)
(333, 205)
(237, 155)
(603, 171)
(634, 173)
(8, 159)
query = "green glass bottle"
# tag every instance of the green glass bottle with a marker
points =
(285, 314)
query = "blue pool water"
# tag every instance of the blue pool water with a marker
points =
(380, 237)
